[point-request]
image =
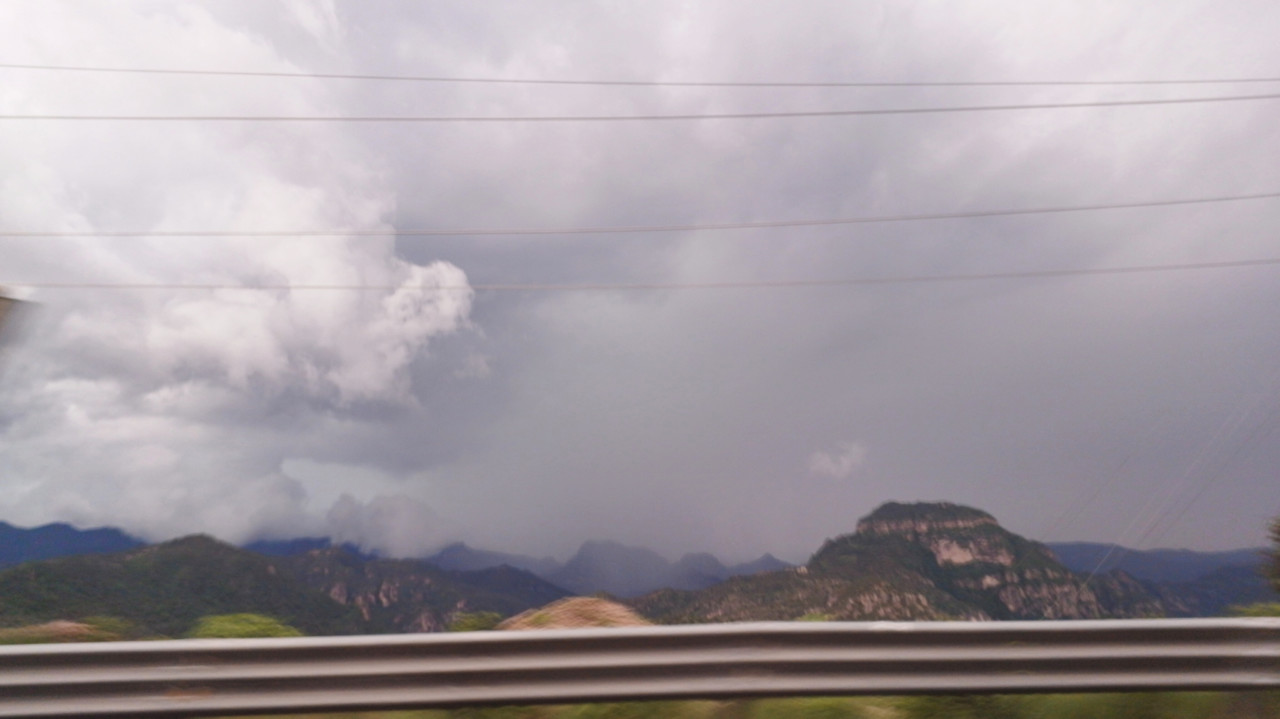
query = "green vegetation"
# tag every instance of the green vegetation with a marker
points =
(241, 626)
(939, 561)
(961, 707)
(164, 589)
(926, 512)
(114, 627)
(896, 575)
(406, 595)
(475, 621)
(1269, 609)
(818, 708)
(815, 617)
(1168, 705)
(1274, 569)
(924, 562)
(1164, 705)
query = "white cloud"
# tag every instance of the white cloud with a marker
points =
(172, 411)
(347, 346)
(840, 462)
(475, 366)
(391, 525)
(656, 417)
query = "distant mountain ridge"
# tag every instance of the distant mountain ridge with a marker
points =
(610, 567)
(302, 545)
(288, 547)
(929, 561)
(1152, 565)
(1173, 582)
(50, 541)
(692, 571)
(410, 595)
(163, 589)
(460, 557)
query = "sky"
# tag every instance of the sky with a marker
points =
(236, 384)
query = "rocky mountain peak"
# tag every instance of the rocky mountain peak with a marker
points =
(915, 561)
(911, 520)
(954, 534)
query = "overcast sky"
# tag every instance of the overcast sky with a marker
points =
(1139, 408)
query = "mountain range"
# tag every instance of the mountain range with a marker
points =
(18, 545)
(904, 561)
(611, 568)
(163, 589)
(625, 571)
(1153, 565)
(939, 561)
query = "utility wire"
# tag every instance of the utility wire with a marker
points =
(635, 118)
(1263, 428)
(624, 229)
(1227, 430)
(634, 83)
(764, 284)
(1110, 479)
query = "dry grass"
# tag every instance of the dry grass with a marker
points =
(59, 631)
(576, 613)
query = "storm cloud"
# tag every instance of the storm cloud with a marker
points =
(1137, 408)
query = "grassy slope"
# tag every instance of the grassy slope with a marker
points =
(398, 592)
(165, 588)
(1192, 705)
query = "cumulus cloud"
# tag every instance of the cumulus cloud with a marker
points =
(173, 410)
(678, 419)
(840, 462)
(394, 526)
(347, 347)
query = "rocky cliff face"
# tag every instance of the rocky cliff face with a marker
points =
(970, 556)
(411, 596)
(801, 594)
(917, 561)
(388, 597)
(911, 520)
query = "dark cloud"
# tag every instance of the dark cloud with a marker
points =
(1140, 409)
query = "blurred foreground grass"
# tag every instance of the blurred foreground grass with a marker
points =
(1170, 705)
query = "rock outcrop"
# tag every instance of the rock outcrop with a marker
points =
(411, 596)
(913, 562)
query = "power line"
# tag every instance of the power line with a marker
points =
(1211, 477)
(1227, 430)
(635, 83)
(634, 118)
(1110, 479)
(642, 286)
(627, 229)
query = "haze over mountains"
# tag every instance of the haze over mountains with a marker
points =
(904, 561)
(163, 589)
(931, 561)
(611, 567)
(18, 545)
(1213, 580)
(1156, 565)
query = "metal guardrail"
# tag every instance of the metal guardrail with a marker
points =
(225, 677)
